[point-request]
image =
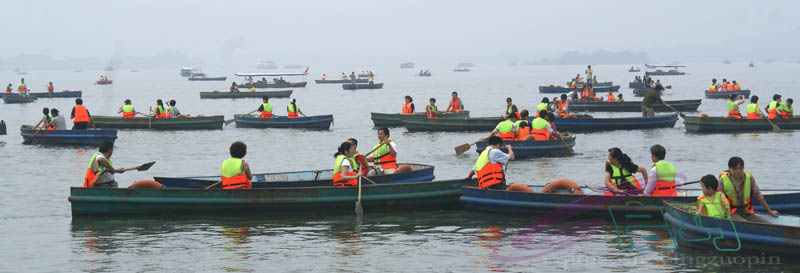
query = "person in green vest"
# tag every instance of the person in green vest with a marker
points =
(265, 108)
(752, 109)
(733, 106)
(511, 108)
(740, 188)
(620, 174)
(662, 175)
(235, 170)
(785, 110)
(506, 130)
(431, 111)
(292, 109)
(544, 105)
(712, 203)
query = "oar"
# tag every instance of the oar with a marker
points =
(212, 185)
(359, 210)
(774, 127)
(143, 167)
(29, 141)
(460, 149)
(373, 150)
(673, 109)
(569, 149)
(370, 180)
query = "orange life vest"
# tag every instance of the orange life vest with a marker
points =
(455, 104)
(489, 174)
(50, 88)
(430, 111)
(291, 113)
(772, 110)
(161, 113)
(238, 181)
(611, 97)
(663, 187)
(81, 114)
(522, 133)
(385, 158)
(737, 87)
(542, 133)
(339, 183)
(8, 90)
(89, 176)
(407, 108)
(562, 111)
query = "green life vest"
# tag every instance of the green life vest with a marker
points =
(617, 174)
(266, 107)
(773, 105)
(160, 109)
(730, 192)
(483, 159)
(291, 108)
(231, 167)
(731, 106)
(337, 167)
(752, 108)
(100, 168)
(127, 108)
(666, 171)
(509, 109)
(505, 126)
(713, 207)
(383, 150)
(431, 107)
(539, 123)
(541, 106)
(171, 110)
(519, 122)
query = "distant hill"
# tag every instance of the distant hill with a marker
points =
(597, 57)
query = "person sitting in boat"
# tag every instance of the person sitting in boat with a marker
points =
(733, 106)
(50, 88)
(253, 88)
(511, 109)
(752, 108)
(724, 86)
(345, 173)
(588, 93)
(235, 170)
(80, 116)
(521, 133)
(100, 173)
(544, 105)
(541, 129)
(506, 130)
(736, 86)
(46, 121)
(741, 189)
(562, 107)
(662, 174)
(360, 161)
(22, 87)
(573, 95)
(344, 76)
(786, 109)
(408, 106)
(160, 112)
(233, 88)
(619, 174)
(127, 110)
(619, 97)
(102, 79)
(431, 111)
(8, 89)
(772, 107)
(265, 108)
(714, 87)
(610, 96)
(712, 203)
(384, 158)
(456, 105)
(292, 109)
(174, 112)
(324, 76)
(57, 120)
(489, 166)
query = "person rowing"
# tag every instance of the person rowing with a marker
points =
(235, 170)
(384, 159)
(505, 130)
(786, 109)
(344, 172)
(772, 107)
(100, 165)
(46, 121)
(619, 174)
(57, 120)
(292, 109)
(733, 106)
(8, 89)
(652, 97)
(740, 189)
(128, 111)
(265, 108)
(489, 166)
(752, 109)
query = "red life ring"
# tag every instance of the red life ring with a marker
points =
(562, 183)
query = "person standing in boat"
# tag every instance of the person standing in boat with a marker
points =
(456, 105)
(344, 76)
(733, 106)
(50, 88)
(408, 106)
(651, 98)
(431, 111)
(265, 108)
(292, 109)
(384, 159)
(619, 174)
(235, 170)
(741, 189)
(589, 73)
(344, 171)
(489, 166)
(100, 165)
(233, 87)
(22, 87)
(324, 76)
(511, 109)
(57, 120)
(353, 77)
(663, 173)
(80, 116)
(712, 203)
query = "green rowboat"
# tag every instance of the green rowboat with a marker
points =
(236, 95)
(453, 125)
(396, 120)
(721, 124)
(189, 123)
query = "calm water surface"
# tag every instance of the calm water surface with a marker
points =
(40, 235)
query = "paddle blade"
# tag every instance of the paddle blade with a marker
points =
(775, 128)
(460, 149)
(145, 166)
(359, 209)
(228, 122)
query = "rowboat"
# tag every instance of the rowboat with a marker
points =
(779, 236)
(630, 106)
(310, 122)
(15, 98)
(535, 148)
(452, 125)
(350, 86)
(236, 95)
(431, 195)
(664, 73)
(66, 137)
(597, 204)
(640, 92)
(721, 124)
(395, 120)
(564, 90)
(582, 123)
(208, 78)
(727, 94)
(267, 84)
(634, 69)
(407, 65)
(104, 82)
(62, 94)
(595, 85)
(188, 123)
(313, 178)
(341, 81)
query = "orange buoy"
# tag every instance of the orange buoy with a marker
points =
(562, 183)
(703, 115)
(403, 169)
(146, 184)
(519, 187)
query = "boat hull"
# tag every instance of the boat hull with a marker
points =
(631, 106)
(727, 94)
(350, 86)
(61, 94)
(18, 99)
(431, 195)
(189, 123)
(310, 122)
(563, 124)
(340, 81)
(209, 79)
(565, 90)
(238, 95)
(67, 137)
(723, 125)
(664, 73)
(396, 120)
(262, 84)
(104, 83)
(528, 149)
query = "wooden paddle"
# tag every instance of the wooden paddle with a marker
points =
(143, 167)
(673, 109)
(774, 127)
(460, 149)
(569, 149)
(29, 141)
(212, 185)
(359, 209)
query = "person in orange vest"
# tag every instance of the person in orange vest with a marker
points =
(127, 110)
(772, 107)
(408, 106)
(662, 175)
(714, 87)
(235, 170)
(80, 116)
(753, 112)
(786, 109)
(431, 111)
(736, 86)
(292, 109)
(563, 106)
(100, 164)
(523, 126)
(160, 112)
(345, 172)
(384, 158)
(740, 188)
(456, 105)
(489, 166)
(511, 109)
(265, 108)
(50, 88)
(619, 174)
(46, 121)
(22, 87)
(610, 96)
(506, 130)
(324, 76)
(8, 89)
(725, 86)
(733, 106)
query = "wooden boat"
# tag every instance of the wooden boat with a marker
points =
(310, 122)
(778, 237)
(208, 78)
(636, 69)
(725, 125)
(727, 94)
(267, 84)
(237, 95)
(67, 137)
(396, 120)
(596, 85)
(314, 178)
(341, 81)
(528, 149)
(62, 94)
(431, 195)
(350, 86)
(636, 85)
(104, 82)
(664, 73)
(630, 106)
(2, 127)
(565, 90)
(596, 204)
(16, 98)
(640, 92)
(581, 124)
(189, 123)
(486, 124)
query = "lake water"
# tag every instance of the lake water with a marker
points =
(40, 235)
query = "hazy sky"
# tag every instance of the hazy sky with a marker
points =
(390, 31)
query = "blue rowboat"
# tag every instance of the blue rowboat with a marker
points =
(599, 205)
(609, 124)
(778, 237)
(430, 195)
(62, 94)
(208, 78)
(340, 81)
(310, 122)
(727, 94)
(640, 92)
(315, 178)
(67, 137)
(527, 149)
(565, 90)
(16, 98)
(350, 86)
